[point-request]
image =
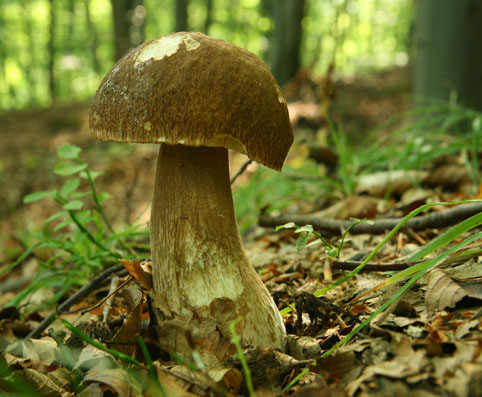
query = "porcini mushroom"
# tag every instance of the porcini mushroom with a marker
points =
(198, 96)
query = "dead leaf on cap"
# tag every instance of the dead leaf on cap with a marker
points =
(140, 270)
(442, 291)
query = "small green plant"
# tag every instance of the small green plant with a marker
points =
(348, 162)
(81, 241)
(307, 231)
(236, 341)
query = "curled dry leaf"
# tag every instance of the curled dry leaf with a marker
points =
(219, 380)
(342, 365)
(355, 206)
(302, 348)
(140, 270)
(268, 366)
(442, 291)
(36, 351)
(396, 182)
(125, 338)
(114, 379)
(449, 175)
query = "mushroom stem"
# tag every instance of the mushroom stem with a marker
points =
(202, 278)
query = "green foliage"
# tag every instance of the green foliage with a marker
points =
(78, 240)
(428, 133)
(431, 133)
(307, 231)
(348, 161)
(236, 341)
(356, 35)
(273, 191)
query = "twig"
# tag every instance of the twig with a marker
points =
(105, 313)
(370, 267)
(334, 226)
(241, 170)
(114, 281)
(78, 296)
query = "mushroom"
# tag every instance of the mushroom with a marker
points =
(198, 96)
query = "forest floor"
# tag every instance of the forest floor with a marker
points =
(428, 341)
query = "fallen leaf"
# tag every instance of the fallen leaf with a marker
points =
(442, 291)
(302, 348)
(140, 270)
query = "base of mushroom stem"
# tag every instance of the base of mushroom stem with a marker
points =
(200, 333)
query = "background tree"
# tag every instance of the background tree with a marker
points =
(449, 51)
(180, 11)
(69, 57)
(51, 52)
(129, 19)
(209, 16)
(286, 38)
(93, 37)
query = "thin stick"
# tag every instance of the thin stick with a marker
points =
(241, 170)
(335, 226)
(378, 267)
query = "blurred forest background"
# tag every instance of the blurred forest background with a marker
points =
(358, 63)
(52, 50)
(56, 50)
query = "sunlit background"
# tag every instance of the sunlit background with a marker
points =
(356, 35)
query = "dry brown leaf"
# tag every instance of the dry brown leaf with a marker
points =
(115, 379)
(449, 175)
(180, 378)
(465, 328)
(125, 338)
(91, 357)
(408, 364)
(341, 365)
(302, 347)
(268, 367)
(140, 270)
(351, 207)
(230, 378)
(395, 182)
(442, 291)
(37, 351)
(467, 380)
(92, 390)
(124, 384)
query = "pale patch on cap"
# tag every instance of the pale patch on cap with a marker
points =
(165, 47)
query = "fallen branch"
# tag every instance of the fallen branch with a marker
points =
(370, 267)
(75, 298)
(434, 220)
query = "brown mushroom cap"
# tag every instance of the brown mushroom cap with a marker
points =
(191, 89)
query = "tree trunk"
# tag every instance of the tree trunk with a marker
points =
(128, 25)
(93, 37)
(209, 16)
(70, 34)
(51, 52)
(286, 38)
(449, 51)
(181, 19)
(28, 62)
